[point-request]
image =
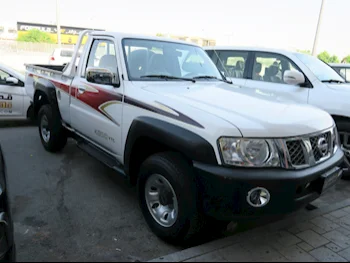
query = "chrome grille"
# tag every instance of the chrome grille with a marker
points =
(306, 151)
(296, 152)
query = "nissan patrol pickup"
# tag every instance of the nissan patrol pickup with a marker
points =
(199, 149)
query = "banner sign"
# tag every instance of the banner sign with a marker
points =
(69, 35)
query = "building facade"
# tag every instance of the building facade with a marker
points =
(204, 42)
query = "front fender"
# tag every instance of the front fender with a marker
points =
(191, 145)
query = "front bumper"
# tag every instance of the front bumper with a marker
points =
(223, 190)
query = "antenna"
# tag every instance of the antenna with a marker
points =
(222, 64)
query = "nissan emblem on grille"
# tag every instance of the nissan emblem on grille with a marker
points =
(312, 149)
(322, 146)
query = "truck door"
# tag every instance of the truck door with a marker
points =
(11, 97)
(96, 109)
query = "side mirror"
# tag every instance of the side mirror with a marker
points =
(293, 77)
(12, 80)
(102, 76)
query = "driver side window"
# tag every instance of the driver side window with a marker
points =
(270, 67)
(3, 77)
(103, 55)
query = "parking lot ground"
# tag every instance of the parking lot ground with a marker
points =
(70, 207)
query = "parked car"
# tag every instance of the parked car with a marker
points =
(343, 70)
(289, 76)
(198, 148)
(61, 56)
(14, 101)
(7, 244)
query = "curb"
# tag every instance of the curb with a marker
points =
(303, 215)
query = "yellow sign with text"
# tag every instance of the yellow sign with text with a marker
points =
(69, 35)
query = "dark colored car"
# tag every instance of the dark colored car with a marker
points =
(7, 244)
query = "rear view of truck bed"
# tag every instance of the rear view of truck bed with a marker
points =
(40, 70)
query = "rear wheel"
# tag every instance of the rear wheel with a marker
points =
(344, 136)
(168, 197)
(52, 134)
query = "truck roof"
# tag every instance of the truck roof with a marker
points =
(122, 35)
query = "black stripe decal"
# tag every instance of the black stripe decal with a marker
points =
(181, 117)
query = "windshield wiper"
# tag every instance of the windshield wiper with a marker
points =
(211, 77)
(166, 77)
(332, 81)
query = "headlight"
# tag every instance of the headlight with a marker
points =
(249, 152)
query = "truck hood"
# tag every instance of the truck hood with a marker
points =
(340, 87)
(254, 113)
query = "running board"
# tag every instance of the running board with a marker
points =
(102, 156)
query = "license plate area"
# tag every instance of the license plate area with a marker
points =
(330, 178)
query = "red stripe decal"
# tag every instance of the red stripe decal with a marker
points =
(61, 86)
(95, 100)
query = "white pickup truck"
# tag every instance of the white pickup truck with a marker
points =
(199, 149)
(291, 77)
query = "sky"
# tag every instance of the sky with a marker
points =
(288, 24)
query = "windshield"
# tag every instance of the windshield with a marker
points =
(322, 71)
(153, 59)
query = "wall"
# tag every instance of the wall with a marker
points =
(16, 54)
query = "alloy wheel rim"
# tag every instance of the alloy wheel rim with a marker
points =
(161, 200)
(44, 127)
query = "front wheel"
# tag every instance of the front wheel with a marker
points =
(344, 136)
(52, 134)
(168, 197)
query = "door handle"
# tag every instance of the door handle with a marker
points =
(81, 90)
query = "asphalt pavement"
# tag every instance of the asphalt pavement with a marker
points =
(70, 207)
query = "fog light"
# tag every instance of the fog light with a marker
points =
(258, 197)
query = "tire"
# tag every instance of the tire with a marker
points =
(178, 173)
(30, 113)
(343, 126)
(56, 139)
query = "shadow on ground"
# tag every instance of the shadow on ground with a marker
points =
(19, 123)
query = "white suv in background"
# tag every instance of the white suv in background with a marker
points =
(61, 56)
(289, 76)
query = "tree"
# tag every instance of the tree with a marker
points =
(35, 35)
(160, 35)
(326, 57)
(346, 59)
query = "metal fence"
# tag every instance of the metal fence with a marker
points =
(16, 46)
